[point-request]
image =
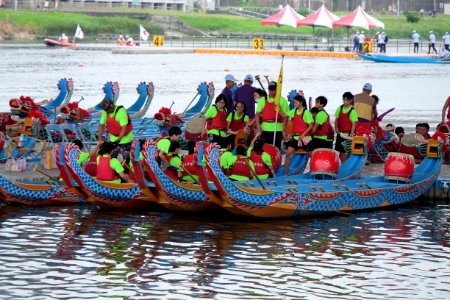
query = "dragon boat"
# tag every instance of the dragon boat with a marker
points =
(204, 196)
(112, 91)
(403, 59)
(65, 87)
(175, 195)
(103, 194)
(401, 184)
(164, 120)
(38, 193)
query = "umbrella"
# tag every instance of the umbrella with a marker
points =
(286, 16)
(359, 18)
(321, 17)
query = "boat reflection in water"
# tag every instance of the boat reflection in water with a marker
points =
(89, 253)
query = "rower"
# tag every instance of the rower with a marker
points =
(118, 125)
(109, 168)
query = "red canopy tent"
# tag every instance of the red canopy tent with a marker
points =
(359, 18)
(321, 17)
(286, 16)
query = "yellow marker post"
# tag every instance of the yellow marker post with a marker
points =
(258, 43)
(158, 41)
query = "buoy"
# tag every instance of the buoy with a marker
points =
(80, 64)
(227, 69)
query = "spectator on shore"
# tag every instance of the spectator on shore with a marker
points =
(415, 37)
(446, 39)
(356, 42)
(431, 42)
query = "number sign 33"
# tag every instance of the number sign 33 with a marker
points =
(258, 43)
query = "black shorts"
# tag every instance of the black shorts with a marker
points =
(320, 143)
(294, 144)
(338, 146)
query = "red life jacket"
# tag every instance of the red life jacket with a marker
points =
(260, 166)
(91, 166)
(113, 126)
(240, 167)
(299, 125)
(325, 128)
(448, 109)
(104, 170)
(343, 121)
(171, 171)
(219, 121)
(269, 113)
(190, 164)
(235, 125)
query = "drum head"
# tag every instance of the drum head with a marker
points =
(412, 139)
(194, 125)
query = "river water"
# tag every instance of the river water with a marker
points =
(79, 252)
(416, 91)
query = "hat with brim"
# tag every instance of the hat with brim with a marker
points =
(272, 86)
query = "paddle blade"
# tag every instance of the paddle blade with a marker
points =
(380, 117)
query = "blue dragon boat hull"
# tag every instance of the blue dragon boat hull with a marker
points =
(322, 197)
(402, 59)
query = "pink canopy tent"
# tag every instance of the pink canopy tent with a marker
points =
(359, 18)
(321, 17)
(286, 16)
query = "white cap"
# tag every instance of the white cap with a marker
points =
(414, 31)
(230, 77)
(367, 86)
(431, 31)
(362, 31)
(248, 77)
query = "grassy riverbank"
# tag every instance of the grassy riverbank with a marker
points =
(27, 25)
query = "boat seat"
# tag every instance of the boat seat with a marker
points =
(271, 182)
(363, 184)
(291, 181)
(291, 189)
(312, 187)
(345, 187)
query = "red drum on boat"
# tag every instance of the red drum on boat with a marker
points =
(193, 130)
(399, 167)
(275, 154)
(325, 163)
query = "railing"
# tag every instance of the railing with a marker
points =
(293, 43)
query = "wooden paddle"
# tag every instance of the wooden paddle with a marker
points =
(254, 173)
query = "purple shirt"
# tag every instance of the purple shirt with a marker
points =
(244, 93)
(227, 93)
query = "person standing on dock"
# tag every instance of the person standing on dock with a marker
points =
(356, 42)
(230, 82)
(245, 93)
(416, 38)
(269, 118)
(446, 39)
(431, 42)
(366, 107)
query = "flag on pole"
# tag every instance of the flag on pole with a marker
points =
(144, 33)
(279, 86)
(79, 34)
